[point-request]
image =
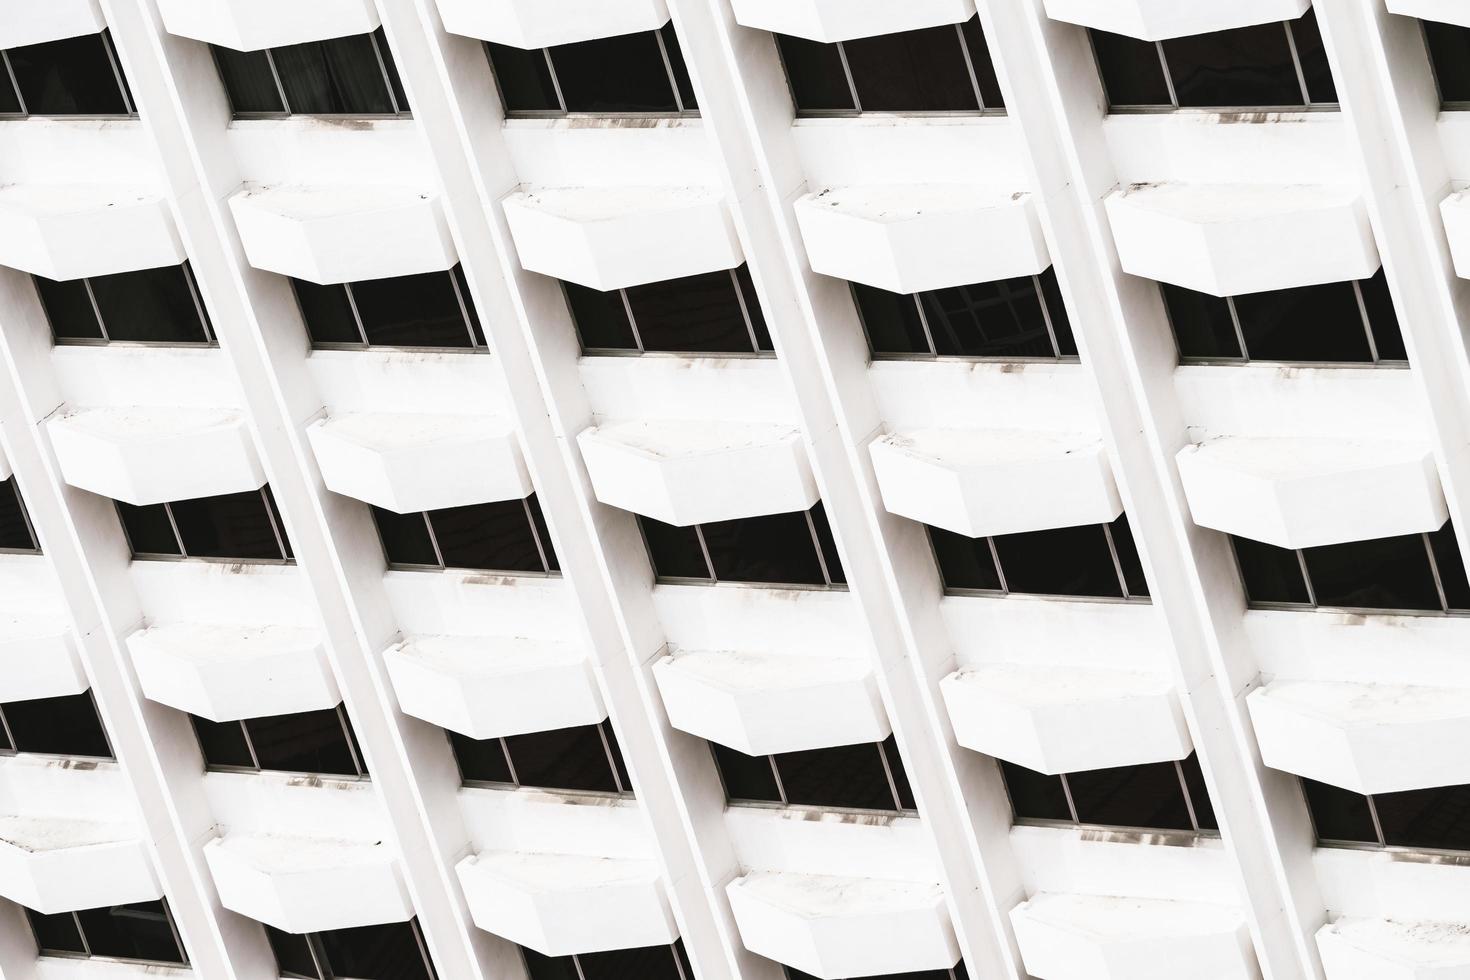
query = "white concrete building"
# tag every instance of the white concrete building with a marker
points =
(734, 489)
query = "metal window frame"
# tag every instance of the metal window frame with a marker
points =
(182, 963)
(398, 113)
(547, 571)
(917, 356)
(25, 113)
(464, 302)
(25, 516)
(1005, 591)
(784, 803)
(622, 793)
(362, 774)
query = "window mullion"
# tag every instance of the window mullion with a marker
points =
(924, 322)
(178, 538)
(959, 32)
(1051, 330)
(607, 751)
(1377, 824)
(755, 345)
(1188, 799)
(776, 774)
(270, 59)
(383, 71)
(704, 548)
(356, 315)
(9, 735)
(536, 535)
(1239, 330)
(96, 310)
(1067, 792)
(632, 320)
(1367, 320)
(857, 103)
(434, 540)
(888, 774)
(81, 933)
(25, 515)
(663, 50)
(561, 100)
(14, 85)
(270, 513)
(1117, 563)
(464, 309)
(1296, 62)
(346, 725)
(319, 957)
(173, 928)
(1000, 572)
(510, 763)
(249, 744)
(811, 526)
(117, 75)
(1168, 78)
(199, 303)
(1444, 602)
(1301, 560)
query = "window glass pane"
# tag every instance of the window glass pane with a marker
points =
(1449, 50)
(1131, 72)
(1034, 795)
(1310, 323)
(1451, 567)
(844, 776)
(308, 741)
(912, 71)
(696, 314)
(567, 758)
(1127, 549)
(389, 951)
(891, 320)
(496, 536)
(406, 538)
(828, 545)
(1247, 66)
(9, 100)
(776, 548)
(223, 743)
(1056, 308)
(15, 533)
(753, 307)
(899, 773)
(337, 76)
(746, 777)
(56, 933)
(153, 306)
(232, 525)
(1131, 796)
(964, 563)
(674, 551)
(540, 967)
(480, 760)
(293, 955)
(984, 68)
(1387, 573)
(614, 74)
(680, 68)
(601, 318)
(1199, 793)
(1072, 561)
(132, 932)
(58, 726)
(647, 963)
(412, 311)
(1381, 314)
(991, 319)
(1313, 55)
(68, 308)
(249, 81)
(327, 312)
(71, 77)
(1438, 818)
(524, 78)
(1271, 574)
(818, 80)
(5, 745)
(1339, 814)
(1202, 323)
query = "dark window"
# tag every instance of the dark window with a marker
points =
(76, 76)
(582, 759)
(1449, 53)
(142, 932)
(1407, 573)
(1436, 818)
(933, 69)
(624, 75)
(431, 309)
(644, 963)
(956, 972)
(66, 725)
(154, 306)
(504, 536)
(1008, 319)
(388, 951)
(342, 76)
(1153, 796)
(777, 549)
(16, 533)
(1334, 323)
(1092, 561)
(713, 313)
(1280, 65)
(316, 742)
(868, 776)
(234, 526)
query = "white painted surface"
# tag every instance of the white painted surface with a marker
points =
(534, 24)
(1155, 20)
(250, 25)
(843, 20)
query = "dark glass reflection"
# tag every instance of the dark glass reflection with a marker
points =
(388, 951)
(844, 776)
(1132, 73)
(567, 759)
(1309, 323)
(140, 931)
(232, 526)
(912, 71)
(352, 75)
(66, 725)
(1035, 795)
(1449, 52)
(674, 551)
(1271, 574)
(776, 548)
(614, 75)
(15, 529)
(1387, 573)
(77, 76)
(1072, 561)
(1247, 66)
(1131, 796)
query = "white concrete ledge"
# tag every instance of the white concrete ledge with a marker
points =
(250, 25)
(227, 673)
(1443, 11)
(984, 482)
(25, 22)
(613, 237)
(844, 20)
(1381, 949)
(494, 686)
(761, 704)
(411, 463)
(38, 658)
(834, 927)
(916, 237)
(1055, 719)
(308, 884)
(60, 864)
(1157, 20)
(339, 234)
(686, 473)
(1230, 239)
(534, 24)
(560, 904)
(1368, 738)
(152, 455)
(1090, 937)
(70, 231)
(1301, 493)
